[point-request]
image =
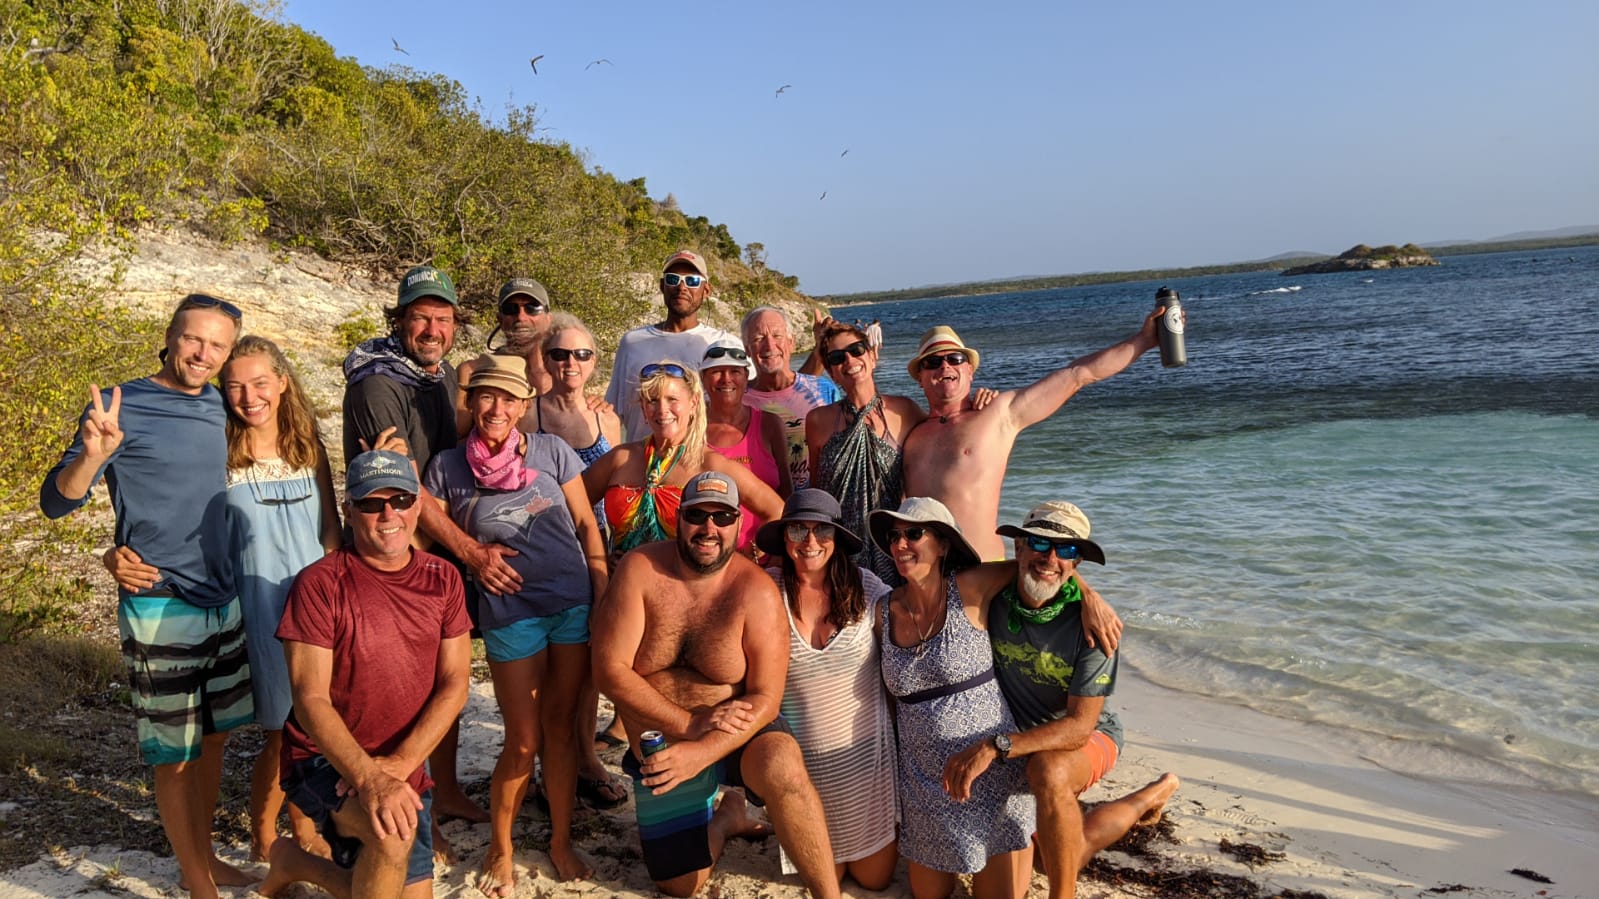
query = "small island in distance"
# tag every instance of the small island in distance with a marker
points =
(1363, 258)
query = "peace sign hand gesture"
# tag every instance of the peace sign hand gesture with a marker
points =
(101, 432)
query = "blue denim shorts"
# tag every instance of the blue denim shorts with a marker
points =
(312, 785)
(528, 637)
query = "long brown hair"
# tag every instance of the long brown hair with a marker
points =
(846, 599)
(299, 443)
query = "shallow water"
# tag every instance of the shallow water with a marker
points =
(1371, 503)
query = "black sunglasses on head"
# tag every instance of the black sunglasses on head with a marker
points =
(837, 357)
(206, 301)
(717, 352)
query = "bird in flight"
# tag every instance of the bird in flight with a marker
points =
(535, 63)
(596, 62)
(399, 48)
(783, 88)
(843, 154)
(823, 196)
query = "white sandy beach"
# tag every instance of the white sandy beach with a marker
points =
(1345, 826)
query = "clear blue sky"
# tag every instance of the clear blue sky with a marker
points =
(993, 139)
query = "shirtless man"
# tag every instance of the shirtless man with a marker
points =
(690, 641)
(958, 454)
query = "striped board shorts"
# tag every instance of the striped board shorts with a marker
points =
(188, 672)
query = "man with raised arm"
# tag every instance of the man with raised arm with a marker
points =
(781, 391)
(376, 639)
(690, 641)
(958, 454)
(1056, 684)
(160, 445)
(681, 338)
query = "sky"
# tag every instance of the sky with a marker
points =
(983, 140)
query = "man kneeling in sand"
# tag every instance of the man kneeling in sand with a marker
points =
(1056, 685)
(691, 640)
(375, 636)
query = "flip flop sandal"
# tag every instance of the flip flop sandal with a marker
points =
(592, 792)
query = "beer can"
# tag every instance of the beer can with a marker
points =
(651, 742)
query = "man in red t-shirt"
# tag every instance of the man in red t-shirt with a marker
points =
(376, 639)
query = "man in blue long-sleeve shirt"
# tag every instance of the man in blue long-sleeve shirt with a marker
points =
(160, 446)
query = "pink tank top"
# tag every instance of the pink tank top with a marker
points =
(752, 452)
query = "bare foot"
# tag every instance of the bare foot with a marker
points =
(738, 821)
(1156, 792)
(316, 845)
(457, 805)
(223, 875)
(443, 852)
(498, 878)
(569, 865)
(277, 879)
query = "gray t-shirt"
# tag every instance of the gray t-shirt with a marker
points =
(534, 520)
(1039, 666)
(424, 416)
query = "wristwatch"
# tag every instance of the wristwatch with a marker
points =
(1002, 745)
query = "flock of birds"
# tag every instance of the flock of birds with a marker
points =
(534, 62)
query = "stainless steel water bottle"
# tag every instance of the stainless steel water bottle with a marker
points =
(1173, 352)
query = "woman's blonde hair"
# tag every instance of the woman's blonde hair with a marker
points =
(299, 443)
(650, 389)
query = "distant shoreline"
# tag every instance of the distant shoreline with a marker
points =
(1056, 282)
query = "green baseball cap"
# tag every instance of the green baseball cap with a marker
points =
(426, 281)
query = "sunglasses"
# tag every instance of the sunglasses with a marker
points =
(561, 355)
(205, 301)
(796, 532)
(722, 517)
(672, 279)
(671, 369)
(837, 357)
(911, 535)
(720, 352)
(373, 505)
(509, 308)
(935, 361)
(1066, 552)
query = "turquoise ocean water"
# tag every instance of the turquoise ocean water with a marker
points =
(1370, 501)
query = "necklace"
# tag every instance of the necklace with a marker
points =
(923, 633)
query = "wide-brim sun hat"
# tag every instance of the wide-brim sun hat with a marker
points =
(931, 514)
(509, 373)
(808, 504)
(1058, 522)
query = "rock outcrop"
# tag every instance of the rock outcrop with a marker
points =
(1361, 258)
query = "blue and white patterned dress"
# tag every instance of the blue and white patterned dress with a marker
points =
(938, 832)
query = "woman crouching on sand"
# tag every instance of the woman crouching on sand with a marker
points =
(834, 697)
(524, 491)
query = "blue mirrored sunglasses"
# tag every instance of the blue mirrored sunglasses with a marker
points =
(663, 368)
(1066, 552)
(673, 279)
